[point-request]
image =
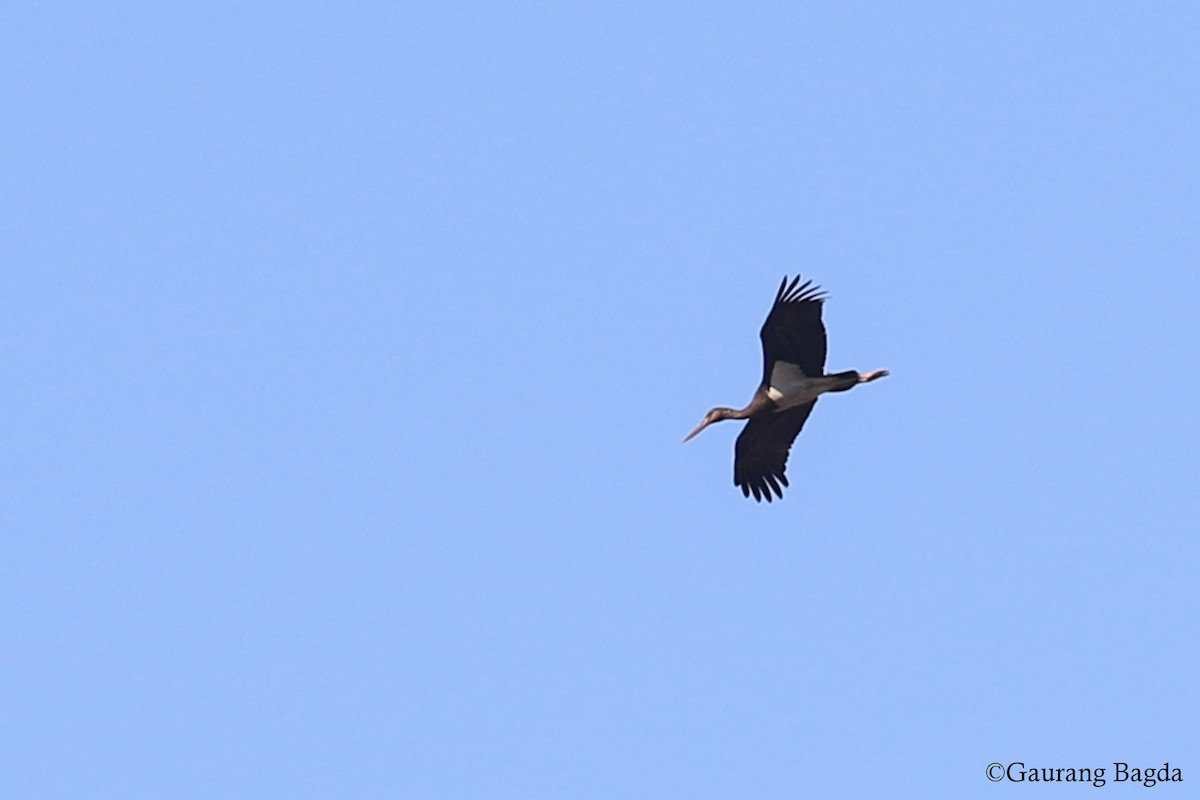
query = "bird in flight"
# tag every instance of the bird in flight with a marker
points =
(793, 340)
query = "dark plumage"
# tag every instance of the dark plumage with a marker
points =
(793, 330)
(794, 344)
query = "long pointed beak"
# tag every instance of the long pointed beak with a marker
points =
(699, 428)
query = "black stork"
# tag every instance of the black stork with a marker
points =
(793, 340)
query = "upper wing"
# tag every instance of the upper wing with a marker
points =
(793, 331)
(761, 452)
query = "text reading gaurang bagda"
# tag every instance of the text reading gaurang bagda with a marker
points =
(1020, 772)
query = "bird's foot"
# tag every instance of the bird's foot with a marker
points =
(870, 376)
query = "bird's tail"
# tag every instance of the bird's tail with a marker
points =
(845, 380)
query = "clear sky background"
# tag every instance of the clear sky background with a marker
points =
(348, 347)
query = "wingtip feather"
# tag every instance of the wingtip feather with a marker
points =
(796, 292)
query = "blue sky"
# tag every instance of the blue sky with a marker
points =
(348, 349)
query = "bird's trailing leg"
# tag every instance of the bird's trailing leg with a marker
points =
(875, 375)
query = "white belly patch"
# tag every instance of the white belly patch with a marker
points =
(789, 386)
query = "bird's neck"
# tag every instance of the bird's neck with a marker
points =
(760, 402)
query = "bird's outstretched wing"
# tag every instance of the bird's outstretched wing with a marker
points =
(794, 331)
(761, 452)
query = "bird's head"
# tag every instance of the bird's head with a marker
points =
(716, 415)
